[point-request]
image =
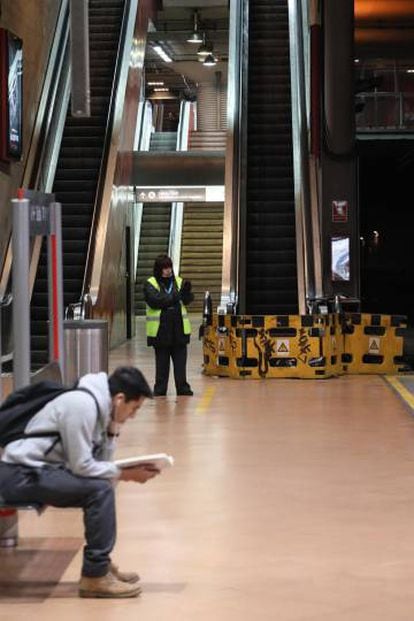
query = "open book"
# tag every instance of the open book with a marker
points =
(158, 461)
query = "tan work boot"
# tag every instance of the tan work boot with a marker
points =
(107, 586)
(123, 576)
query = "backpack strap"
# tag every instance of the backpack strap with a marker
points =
(56, 434)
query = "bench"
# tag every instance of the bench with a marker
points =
(8, 517)
(9, 522)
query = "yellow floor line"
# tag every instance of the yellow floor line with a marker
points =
(404, 393)
(205, 400)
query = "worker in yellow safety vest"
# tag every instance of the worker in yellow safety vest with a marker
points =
(167, 325)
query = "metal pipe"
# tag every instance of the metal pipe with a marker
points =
(55, 287)
(21, 292)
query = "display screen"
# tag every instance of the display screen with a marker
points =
(340, 258)
(14, 95)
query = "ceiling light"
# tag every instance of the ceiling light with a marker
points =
(160, 96)
(152, 83)
(162, 53)
(195, 37)
(410, 70)
(205, 48)
(209, 61)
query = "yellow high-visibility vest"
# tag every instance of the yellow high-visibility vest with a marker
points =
(154, 314)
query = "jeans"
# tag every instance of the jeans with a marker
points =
(58, 487)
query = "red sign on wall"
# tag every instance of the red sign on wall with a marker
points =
(339, 211)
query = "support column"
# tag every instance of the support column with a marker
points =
(340, 224)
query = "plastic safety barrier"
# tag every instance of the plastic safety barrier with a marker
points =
(373, 343)
(303, 346)
(257, 346)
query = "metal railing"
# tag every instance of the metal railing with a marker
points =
(385, 111)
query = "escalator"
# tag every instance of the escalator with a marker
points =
(271, 279)
(155, 226)
(202, 251)
(77, 173)
(154, 239)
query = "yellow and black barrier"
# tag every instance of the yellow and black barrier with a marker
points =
(302, 346)
(373, 343)
(258, 346)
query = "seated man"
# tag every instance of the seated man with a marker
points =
(71, 467)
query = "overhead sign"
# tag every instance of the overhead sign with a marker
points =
(182, 194)
(39, 214)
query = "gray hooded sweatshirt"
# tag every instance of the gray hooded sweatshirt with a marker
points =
(84, 446)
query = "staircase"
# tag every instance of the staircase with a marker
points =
(77, 171)
(154, 240)
(207, 141)
(163, 141)
(271, 281)
(202, 251)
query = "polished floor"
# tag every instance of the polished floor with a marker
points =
(290, 500)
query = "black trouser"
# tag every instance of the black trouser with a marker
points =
(58, 487)
(178, 354)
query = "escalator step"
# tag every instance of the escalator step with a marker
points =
(90, 141)
(68, 174)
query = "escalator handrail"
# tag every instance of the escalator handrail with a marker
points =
(36, 163)
(101, 210)
(304, 230)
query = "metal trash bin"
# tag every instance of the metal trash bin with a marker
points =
(86, 347)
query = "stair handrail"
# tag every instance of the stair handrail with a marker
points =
(177, 209)
(302, 191)
(234, 260)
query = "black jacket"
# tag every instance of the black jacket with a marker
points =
(170, 332)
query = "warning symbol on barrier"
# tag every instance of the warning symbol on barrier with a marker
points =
(283, 347)
(221, 345)
(374, 345)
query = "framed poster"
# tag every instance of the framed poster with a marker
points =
(3, 94)
(14, 95)
(340, 258)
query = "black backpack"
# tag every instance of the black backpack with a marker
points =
(23, 404)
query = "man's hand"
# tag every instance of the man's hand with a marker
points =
(139, 474)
